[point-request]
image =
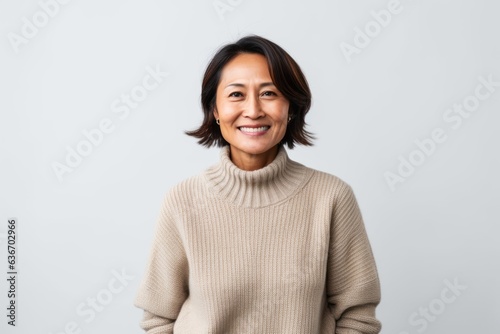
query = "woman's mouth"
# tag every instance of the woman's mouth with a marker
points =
(253, 129)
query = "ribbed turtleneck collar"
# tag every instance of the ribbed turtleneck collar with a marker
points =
(269, 185)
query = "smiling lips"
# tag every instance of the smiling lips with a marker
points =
(254, 130)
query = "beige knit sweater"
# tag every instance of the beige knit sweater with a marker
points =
(282, 249)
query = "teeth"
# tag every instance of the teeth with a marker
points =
(262, 128)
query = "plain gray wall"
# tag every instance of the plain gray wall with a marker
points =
(406, 110)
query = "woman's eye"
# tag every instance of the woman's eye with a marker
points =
(269, 93)
(235, 94)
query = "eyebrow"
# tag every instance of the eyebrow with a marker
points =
(264, 84)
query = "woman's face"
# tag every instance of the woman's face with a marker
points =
(253, 113)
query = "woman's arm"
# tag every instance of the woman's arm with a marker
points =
(164, 287)
(153, 324)
(352, 287)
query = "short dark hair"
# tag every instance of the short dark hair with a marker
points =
(286, 75)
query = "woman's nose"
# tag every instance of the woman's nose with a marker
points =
(253, 107)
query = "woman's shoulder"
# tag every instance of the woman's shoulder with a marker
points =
(188, 185)
(327, 182)
(182, 198)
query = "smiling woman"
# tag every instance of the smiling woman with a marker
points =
(258, 243)
(251, 111)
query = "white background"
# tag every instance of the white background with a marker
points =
(369, 108)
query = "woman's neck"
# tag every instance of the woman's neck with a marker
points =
(250, 162)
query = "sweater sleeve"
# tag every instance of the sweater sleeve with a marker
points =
(352, 286)
(164, 287)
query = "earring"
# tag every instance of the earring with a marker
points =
(217, 121)
(289, 119)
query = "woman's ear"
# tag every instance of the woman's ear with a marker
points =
(216, 113)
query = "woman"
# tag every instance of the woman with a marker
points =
(258, 243)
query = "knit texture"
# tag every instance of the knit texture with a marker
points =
(282, 249)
